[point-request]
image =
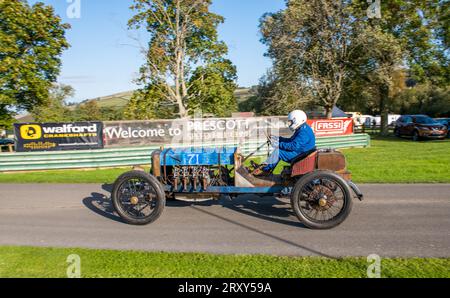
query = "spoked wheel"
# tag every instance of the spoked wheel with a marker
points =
(321, 200)
(138, 197)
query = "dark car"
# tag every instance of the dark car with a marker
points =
(6, 142)
(446, 122)
(420, 126)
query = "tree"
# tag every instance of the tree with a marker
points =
(32, 39)
(311, 43)
(88, 111)
(183, 37)
(214, 86)
(278, 94)
(381, 58)
(406, 36)
(148, 103)
(55, 108)
(423, 99)
(332, 51)
(111, 113)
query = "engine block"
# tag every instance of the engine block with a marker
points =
(193, 169)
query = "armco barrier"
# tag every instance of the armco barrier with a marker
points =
(133, 156)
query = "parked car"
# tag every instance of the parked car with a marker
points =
(446, 122)
(420, 126)
(6, 142)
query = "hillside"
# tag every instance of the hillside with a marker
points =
(119, 100)
(115, 100)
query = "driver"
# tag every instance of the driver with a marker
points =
(287, 149)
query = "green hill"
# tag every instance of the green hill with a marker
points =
(115, 100)
(119, 100)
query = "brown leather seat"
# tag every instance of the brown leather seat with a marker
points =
(303, 156)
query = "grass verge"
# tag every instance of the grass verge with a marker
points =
(388, 160)
(52, 262)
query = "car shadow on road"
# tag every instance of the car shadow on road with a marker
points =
(267, 208)
(101, 204)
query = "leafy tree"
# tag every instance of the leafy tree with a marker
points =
(380, 58)
(55, 108)
(183, 35)
(278, 95)
(214, 86)
(252, 103)
(111, 114)
(332, 51)
(311, 43)
(89, 111)
(149, 103)
(423, 99)
(32, 39)
(407, 35)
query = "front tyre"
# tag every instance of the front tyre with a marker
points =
(138, 198)
(321, 200)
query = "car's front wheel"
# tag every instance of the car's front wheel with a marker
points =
(138, 197)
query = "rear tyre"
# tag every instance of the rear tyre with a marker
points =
(138, 198)
(321, 200)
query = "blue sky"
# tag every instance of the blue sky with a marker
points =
(103, 59)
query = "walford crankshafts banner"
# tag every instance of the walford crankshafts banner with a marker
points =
(58, 136)
(211, 131)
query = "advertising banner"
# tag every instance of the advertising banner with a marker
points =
(190, 132)
(58, 136)
(194, 132)
(332, 127)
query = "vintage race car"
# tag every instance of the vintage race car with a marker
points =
(317, 182)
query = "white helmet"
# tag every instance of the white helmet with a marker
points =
(296, 119)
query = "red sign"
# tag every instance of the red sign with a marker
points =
(332, 127)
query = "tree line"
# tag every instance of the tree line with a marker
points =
(330, 52)
(324, 53)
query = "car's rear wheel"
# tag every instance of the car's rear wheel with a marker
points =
(138, 198)
(321, 200)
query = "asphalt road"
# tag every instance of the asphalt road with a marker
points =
(394, 220)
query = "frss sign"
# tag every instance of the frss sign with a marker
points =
(332, 127)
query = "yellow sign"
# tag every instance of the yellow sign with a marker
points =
(30, 132)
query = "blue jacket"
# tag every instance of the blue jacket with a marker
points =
(303, 140)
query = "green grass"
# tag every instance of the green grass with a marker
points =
(393, 160)
(64, 176)
(388, 160)
(51, 262)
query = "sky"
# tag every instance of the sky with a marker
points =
(103, 59)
